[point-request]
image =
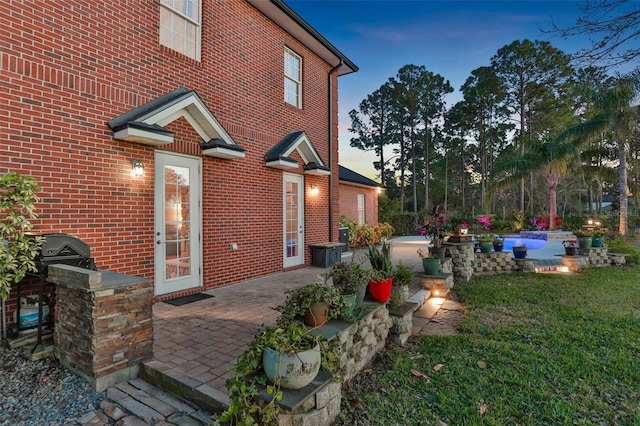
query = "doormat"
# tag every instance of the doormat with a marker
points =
(179, 301)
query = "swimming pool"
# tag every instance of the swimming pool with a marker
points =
(532, 244)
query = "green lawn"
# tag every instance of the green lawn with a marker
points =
(533, 349)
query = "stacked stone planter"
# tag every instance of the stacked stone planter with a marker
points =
(402, 320)
(463, 258)
(354, 345)
(597, 256)
(103, 324)
(575, 263)
(494, 263)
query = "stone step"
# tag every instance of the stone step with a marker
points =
(140, 403)
(202, 395)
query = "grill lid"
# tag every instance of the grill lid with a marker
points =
(62, 246)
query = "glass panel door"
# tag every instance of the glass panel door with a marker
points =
(293, 208)
(177, 223)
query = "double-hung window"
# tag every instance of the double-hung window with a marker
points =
(180, 26)
(292, 78)
(361, 215)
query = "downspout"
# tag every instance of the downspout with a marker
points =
(331, 171)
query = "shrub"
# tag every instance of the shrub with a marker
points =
(617, 244)
(382, 230)
(404, 223)
(387, 208)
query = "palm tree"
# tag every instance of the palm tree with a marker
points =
(551, 157)
(618, 118)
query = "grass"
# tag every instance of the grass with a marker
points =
(533, 349)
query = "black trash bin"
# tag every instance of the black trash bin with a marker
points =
(344, 238)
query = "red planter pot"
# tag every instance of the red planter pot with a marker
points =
(380, 290)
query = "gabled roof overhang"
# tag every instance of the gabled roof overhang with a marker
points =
(279, 156)
(145, 124)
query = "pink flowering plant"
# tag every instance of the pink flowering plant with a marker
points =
(570, 243)
(484, 221)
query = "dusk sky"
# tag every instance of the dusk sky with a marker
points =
(450, 38)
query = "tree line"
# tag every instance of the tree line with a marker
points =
(534, 132)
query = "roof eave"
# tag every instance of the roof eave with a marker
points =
(283, 15)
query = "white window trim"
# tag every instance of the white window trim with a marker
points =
(362, 209)
(289, 78)
(198, 25)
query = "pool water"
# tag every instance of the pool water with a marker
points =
(531, 244)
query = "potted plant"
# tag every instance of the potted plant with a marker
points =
(570, 247)
(351, 280)
(498, 243)
(584, 238)
(430, 261)
(436, 232)
(597, 238)
(381, 275)
(486, 243)
(380, 285)
(402, 278)
(315, 304)
(520, 252)
(274, 351)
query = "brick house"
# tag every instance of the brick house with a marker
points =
(358, 197)
(193, 143)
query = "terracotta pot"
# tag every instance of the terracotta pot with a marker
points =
(316, 315)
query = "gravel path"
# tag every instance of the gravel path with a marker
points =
(41, 392)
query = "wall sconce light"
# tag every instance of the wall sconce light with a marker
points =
(314, 190)
(137, 166)
(379, 190)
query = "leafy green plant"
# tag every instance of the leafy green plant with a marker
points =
(246, 408)
(17, 248)
(402, 275)
(347, 276)
(298, 300)
(484, 238)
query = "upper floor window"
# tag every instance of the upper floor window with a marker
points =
(180, 26)
(292, 78)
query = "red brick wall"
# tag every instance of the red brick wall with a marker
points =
(349, 202)
(68, 67)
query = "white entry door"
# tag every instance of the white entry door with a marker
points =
(177, 223)
(293, 226)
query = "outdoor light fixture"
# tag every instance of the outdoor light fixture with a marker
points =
(314, 190)
(379, 190)
(137, 166)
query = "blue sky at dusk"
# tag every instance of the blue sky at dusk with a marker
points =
(450, 38)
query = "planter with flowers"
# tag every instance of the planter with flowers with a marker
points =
(570, 247)
(498, 243)
(402, 278)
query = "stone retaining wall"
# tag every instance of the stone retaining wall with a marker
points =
(354, 344)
